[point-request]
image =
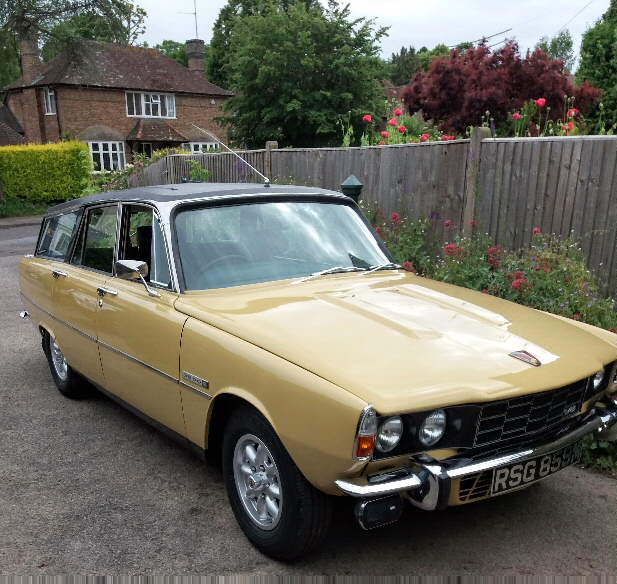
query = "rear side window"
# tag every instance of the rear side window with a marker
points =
(56, 236)
(97, 240)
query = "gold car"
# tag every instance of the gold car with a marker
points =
(269, 326)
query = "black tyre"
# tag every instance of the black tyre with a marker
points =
(280, 512)
(67, 380)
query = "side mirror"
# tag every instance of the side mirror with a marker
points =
(134, 270)
(131, 269)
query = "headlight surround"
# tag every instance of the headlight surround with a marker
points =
(433, 428)
(598, 378)
(389, 434)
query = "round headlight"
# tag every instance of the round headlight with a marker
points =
(432, 428)
(389, 434)
(598, 378)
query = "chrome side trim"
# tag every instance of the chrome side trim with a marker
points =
(195, 390)
(138, 361)
(386, 488)
(74, 328)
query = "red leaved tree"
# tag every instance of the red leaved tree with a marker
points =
(456, 91)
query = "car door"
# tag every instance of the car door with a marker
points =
(76, 290)
(139, 332)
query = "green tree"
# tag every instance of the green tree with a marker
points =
(426, 56)
(561, 46)
(299, 72)
(403, 65)
(174, 50)
(598, 62)
(9, 58)
(230, 15)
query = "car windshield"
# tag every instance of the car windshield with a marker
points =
(259, 242)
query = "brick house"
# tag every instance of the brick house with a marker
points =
(119, 99)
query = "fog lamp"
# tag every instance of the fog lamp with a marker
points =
(389, 434)
(432, 428)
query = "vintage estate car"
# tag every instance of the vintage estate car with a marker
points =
(269, 326)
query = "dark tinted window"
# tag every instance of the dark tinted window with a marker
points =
(56, 236)
(97, 240)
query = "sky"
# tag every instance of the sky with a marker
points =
(411, 22)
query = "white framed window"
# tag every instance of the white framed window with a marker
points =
(199, 147)
(107, 155)
(49, 99)
(150, 105)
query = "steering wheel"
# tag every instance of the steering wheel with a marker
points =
(226, 258)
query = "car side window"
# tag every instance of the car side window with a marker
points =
(143, 241)
(97, 240)
(56, 235)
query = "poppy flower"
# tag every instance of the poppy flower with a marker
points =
(516, 116)
(541, 102)
(452, 249)
(395, 217)
(493, 262)
(379, 230)
(398, 111)
(520, 284)
(424, 137)
(408, 266)
(402, 129)
(393, 122)
(536, 231)
(573, 112)
(519, 275)
(570, 126)
(382, 143)
(385, 134)
(368, 118)
(448, 224)
(444, 138)
(537, 268)
(494, 250)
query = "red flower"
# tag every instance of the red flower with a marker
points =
(368, 118)
(573, 112)
(494, 262)
(392, 122)
(424, 137)
(570, 126)
(379, 230)
(449, 224)
(395, 218)
(536, 231)
(577, 316)
(537, 268)
(402, 129)
(409, 267)
(541, 102)
(452, 249)
(612, 330)
(520, 284)
(385, 134)
(516, 116)
(519, 275)
(382, 143)
(444, 138)
(495, 250)
(547, 268)
(485, 291)
(399, 112)
(472, 222)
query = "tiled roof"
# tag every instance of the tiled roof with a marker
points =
(155, 131)
(99, 64)
(9, 137)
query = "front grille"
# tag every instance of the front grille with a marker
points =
(505, 420)
(475, 486)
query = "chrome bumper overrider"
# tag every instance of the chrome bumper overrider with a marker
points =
(426, 482)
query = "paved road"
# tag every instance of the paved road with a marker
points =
(87, 488)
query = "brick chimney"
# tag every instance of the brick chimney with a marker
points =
(195, 55)
(30, 58)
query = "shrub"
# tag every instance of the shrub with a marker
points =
(45, 172)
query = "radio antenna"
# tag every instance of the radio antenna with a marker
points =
(219, 141)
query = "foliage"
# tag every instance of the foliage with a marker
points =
(45, 172)
(427, 56)
(91, 26)
(219, 58)
(598, 62)
(19, 207)
(314, 64)
(459, 89)
(174, 50)
(404, 65)
(198, 173)
(600, 454)
(561, 46)
(9, 58)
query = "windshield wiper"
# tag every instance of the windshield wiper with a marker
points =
(388, 266)
(334, 270)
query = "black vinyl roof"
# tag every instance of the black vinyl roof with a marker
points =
(190, 191)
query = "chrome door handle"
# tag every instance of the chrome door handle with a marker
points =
(57, 273)
(104, 291)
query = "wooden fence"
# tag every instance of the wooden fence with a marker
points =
(508, 185)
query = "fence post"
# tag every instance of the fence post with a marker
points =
(472, 176)
(270, 145)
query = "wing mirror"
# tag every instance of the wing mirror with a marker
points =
(134, 270)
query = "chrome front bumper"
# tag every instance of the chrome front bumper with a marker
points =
(426, 482)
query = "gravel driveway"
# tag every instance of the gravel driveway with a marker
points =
(87, 488)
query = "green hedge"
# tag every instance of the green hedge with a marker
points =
(45, 172)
